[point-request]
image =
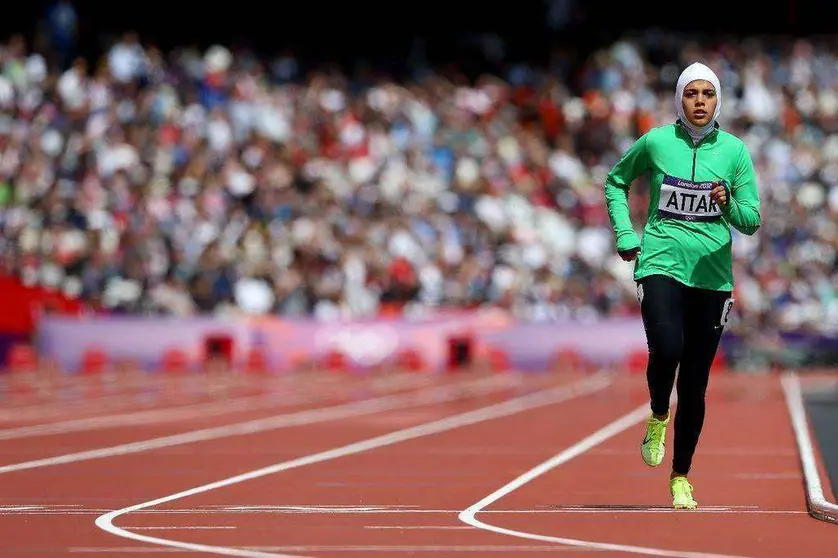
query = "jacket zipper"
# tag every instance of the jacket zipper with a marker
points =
(695, 151)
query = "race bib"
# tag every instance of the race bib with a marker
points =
(686, 200)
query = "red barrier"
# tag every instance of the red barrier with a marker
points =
(94, 361)
(499, 360)
(720, 363)
(22, 357)
(256, 361)
(175, 361)
(23, 305)
(334, 361)
(410, 360)
(637, 361)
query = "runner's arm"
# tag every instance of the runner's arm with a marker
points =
(634, 162)
(742, 209)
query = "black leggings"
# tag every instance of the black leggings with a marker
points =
(683, 326)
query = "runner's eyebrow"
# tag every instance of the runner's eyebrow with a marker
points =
(696, 90)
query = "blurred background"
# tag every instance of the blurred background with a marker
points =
(359, 186)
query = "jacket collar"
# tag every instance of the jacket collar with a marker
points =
(686, 134)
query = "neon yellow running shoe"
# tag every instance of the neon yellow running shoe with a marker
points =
(653, 446)
(682, 494)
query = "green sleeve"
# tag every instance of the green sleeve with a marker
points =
(634, 162)
(742, 211)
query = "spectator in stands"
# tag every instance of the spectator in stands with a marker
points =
(188, 183)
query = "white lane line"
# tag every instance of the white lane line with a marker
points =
(405, 549)
(316, 509)
(499, 410)
(819, 506)
(307, 417)
(420, 527)
(384, 510)
(182, 527)
(609, 431)
(178, 413)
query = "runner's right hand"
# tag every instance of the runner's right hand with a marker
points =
(630, 254)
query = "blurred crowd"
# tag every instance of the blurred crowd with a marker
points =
(216, 182)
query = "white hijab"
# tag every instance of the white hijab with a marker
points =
(695, 71)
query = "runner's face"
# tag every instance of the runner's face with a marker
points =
(699, 100)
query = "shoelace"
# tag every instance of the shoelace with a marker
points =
(657, 429)
(680, 481)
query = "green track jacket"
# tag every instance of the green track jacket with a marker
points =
(687, 236)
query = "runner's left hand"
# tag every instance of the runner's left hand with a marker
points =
(719, 194)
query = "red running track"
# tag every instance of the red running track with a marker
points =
(333, 465)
